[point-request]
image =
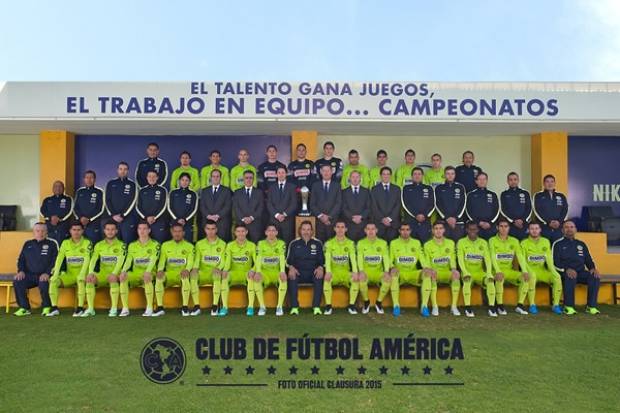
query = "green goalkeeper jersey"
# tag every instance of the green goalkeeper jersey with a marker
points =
(209, 255)
(362, 169)
(205, 175)
(76, 255)
(407, 255)
(537, 254)
(375, 176)
(176, 256)
(240, 258)
(142, 256)
(373, 256)
(503, 253)
(403, 175)
(340, 256)
(441, 255)
(473, 256)
(434, 177)
(236, 176)
(193, 173)
(271, 256)
(110, 255)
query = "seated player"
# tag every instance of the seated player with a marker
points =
(70, 268)
(105, 265)
(475, 263)
(373, 264)
(138, 269)
(441, 256)
(539, 259)
(340, 265)
(208, 265)
(240, 257)
(504, 250)
(176, 260)
(270, 268)
(409, 266)
(183, 204)
(305, 261)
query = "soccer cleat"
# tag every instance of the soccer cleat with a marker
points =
(592, 310)
(196, 311)
(279, 312)
(113, 312)
(520, 310)
(396, 311)
(148, 312)
(492, 312)
(435, 311)
(88, 313)
(366, 307)
(262, 311)
(469, 312)
(569, 310)
(317, 311)
(223, 312)
(351, 309)
(501, 310)
(53, 313)
(78, 312)
(533, 309)
(379, 307)
(213, 310)
(328, 310)
(425, 312)
(46, 311)
(455, 311)
(295, 311)
(556, 309)
(21, 312)
(158, 312)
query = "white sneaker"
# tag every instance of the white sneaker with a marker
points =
(365, 309)
(78, 313)
(185, 313)
(158, 313)
(379, 309)
(455, 311)
(352, 310)
(469, 313)
(124, 312)
(214, 313)
(279, 312)
(521, 311)
(492, 313)
(435, 311)
(328, 311)
(53, 313)
(113, 312)
(195, 312)
(501, 311)
(88, 313)
(262, 311)
(148, 312)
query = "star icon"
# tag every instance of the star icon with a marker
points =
(361, 370)
(228, 370)
(427, 370)
(404, 370)
(449, 370)
(292, 370)
(339, 370)
(271, 370)
(315, 370)
(383, 370)
(249, 370)
(206, 370)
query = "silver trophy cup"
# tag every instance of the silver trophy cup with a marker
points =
(305, 195)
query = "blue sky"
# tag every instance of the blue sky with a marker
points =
(310, 40)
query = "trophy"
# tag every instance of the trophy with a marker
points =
(305, 195)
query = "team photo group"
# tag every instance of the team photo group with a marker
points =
(323, 223)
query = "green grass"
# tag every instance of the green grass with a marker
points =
(536, 363)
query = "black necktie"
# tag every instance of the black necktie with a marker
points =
(247, 191)
(281, 188)
(386, 190)
(326, 188)
(355, 191)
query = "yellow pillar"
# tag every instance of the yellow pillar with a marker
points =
(308, 138)
(57, 161)
(550, 156)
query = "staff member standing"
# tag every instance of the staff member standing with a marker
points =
(248, 204)
(216, 205)
(355, 206)
(325, 203)
(450, 198)
(467, 173)
(573, 261)
(419, 203)
(34, 267)
(89, 207)
(483, 207)
(151, 163)
(551, 209)
(183, 204)
(120, 202)
(385, 206)
(56, 210)
(152, 201)
(282, 205)
(305, 259)
(516, 206)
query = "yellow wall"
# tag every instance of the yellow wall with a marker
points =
(550, 156)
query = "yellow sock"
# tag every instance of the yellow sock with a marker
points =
(81, 292)
(185, 291)
(260, 295)
(90, 295)
(194, 290)
(114, 293)
(159, 292)
(148, 294)
(364, 290)
(327, 292)
(282, 287)
(251, 293)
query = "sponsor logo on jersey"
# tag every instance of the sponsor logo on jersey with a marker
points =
(405, 260)
(504, 256)
(473, 257)
(240, 259)
(271, 260)
(177, 261)
(75, 260)
(536, 258)
(372, 259)
(211, 259)
(143, 262)
(340, 259)
(108, 259)
(441, 260)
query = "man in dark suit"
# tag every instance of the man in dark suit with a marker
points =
(216, 205)
(282, 205)
(325, 203)
(385, 206)
(248, 205)
(355, 207)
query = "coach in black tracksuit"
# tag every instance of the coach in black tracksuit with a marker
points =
(483, 207)
(450, 198)
(182, 206)
(305, 260)
(57, 210)
(120, 203)
(151, 206)
(516, 206)
(89, 206)
(551, 209)
(418, 202)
